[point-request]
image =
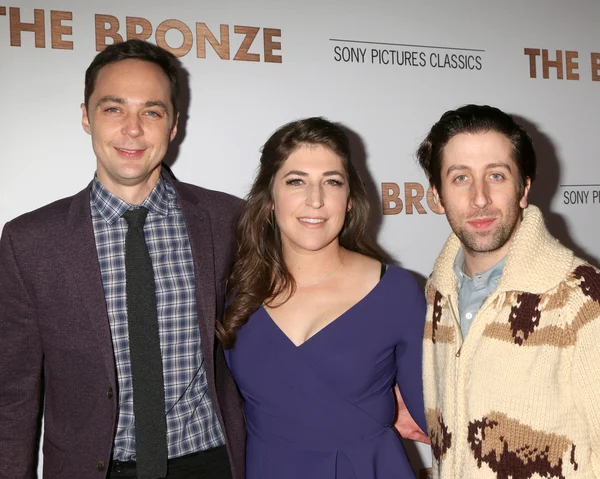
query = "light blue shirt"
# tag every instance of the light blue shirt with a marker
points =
(473, 291)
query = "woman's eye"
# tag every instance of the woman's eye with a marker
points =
(335, 182)
(294, 181)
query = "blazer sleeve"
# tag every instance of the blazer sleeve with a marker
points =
(20, 368)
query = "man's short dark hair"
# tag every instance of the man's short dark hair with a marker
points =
(475, 119)
(134, 50)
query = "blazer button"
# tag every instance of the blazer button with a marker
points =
(109, 393)
(100, 465)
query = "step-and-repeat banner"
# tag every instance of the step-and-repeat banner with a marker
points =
(385, 70)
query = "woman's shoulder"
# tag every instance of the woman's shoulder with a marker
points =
(401, 274)
(362, 268)
(403, 294)
(367, 266)
(395, 278)
(402, 286)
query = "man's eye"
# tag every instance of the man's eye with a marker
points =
(497, 176)
(153, 113)
(112, 109)
(460, 178)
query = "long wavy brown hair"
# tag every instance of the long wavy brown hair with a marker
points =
(259, 274)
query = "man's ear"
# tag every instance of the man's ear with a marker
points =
(523, 202)
(438, 201)
(174, 128)
(85, 120)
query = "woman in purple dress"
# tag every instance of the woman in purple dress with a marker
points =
(318, 329)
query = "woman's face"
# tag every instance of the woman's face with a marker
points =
(311, 198)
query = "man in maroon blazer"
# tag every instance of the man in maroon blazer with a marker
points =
(64, 335)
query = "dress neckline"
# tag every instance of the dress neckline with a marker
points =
(329, 325)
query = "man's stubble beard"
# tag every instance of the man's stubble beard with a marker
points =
(480, 243)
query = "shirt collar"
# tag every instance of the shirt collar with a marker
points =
(480, 280)
(111, 207)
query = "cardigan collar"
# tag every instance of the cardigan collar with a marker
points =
(535, 263)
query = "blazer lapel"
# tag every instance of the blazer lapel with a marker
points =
(86, 279)
(199, 229)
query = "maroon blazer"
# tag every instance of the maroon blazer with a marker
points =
(55, 335)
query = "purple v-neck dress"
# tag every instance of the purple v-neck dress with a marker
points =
(324, 410)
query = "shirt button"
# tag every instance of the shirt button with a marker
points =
(109, 393)
(100, 465)
(468, 315)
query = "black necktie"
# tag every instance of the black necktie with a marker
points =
(144, 348)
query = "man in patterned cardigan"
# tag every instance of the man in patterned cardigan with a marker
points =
(512, 338)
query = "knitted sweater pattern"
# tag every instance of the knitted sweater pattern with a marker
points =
(520, 397)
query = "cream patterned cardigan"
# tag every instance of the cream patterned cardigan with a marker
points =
(520, 397)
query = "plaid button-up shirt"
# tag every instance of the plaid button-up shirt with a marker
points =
(192, 424)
